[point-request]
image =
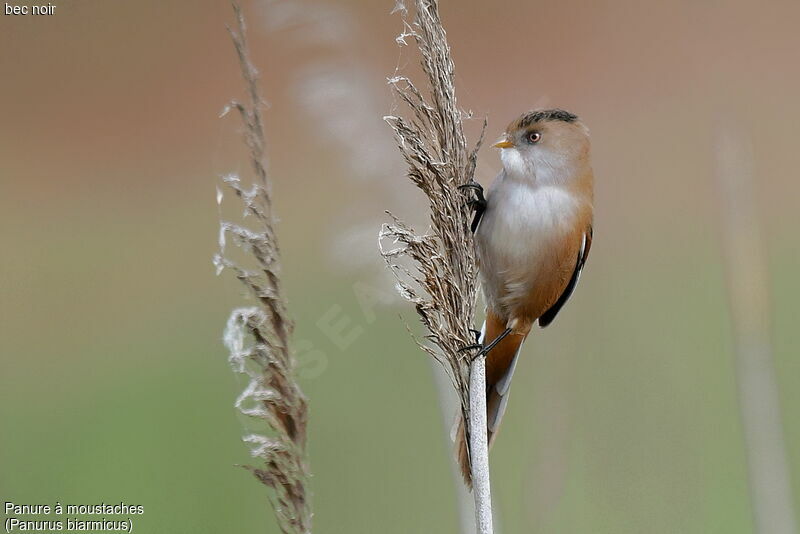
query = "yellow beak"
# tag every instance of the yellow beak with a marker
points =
(504, 143)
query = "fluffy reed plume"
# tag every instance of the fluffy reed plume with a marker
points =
(443, 283)
(258, 337)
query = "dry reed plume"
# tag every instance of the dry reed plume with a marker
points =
(443, 283)
(258, 337)
(435, 148)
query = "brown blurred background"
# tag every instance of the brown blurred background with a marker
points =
(113, 379)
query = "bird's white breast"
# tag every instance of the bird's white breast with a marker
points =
(522, 224)
(522, 217)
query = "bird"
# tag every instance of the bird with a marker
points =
(532, 233)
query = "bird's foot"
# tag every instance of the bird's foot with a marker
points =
(479, 202)
(477, 334)
(486, 348)
(476, 345)
(476, 204)
(471, 347)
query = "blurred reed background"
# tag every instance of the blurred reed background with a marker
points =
(114, 383)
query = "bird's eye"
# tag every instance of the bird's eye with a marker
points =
(534, 137)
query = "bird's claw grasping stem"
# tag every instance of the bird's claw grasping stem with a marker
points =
(480, 200)
(470, 347)
(486, 348)
(478, 204)
(477, 334)
(477, 344)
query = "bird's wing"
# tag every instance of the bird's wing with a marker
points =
(548, 316)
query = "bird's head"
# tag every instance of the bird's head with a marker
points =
(549, 146)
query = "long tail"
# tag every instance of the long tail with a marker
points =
(500, 364)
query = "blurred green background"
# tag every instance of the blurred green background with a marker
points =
(114, 384)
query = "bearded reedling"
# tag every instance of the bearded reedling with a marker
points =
(533, 232)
